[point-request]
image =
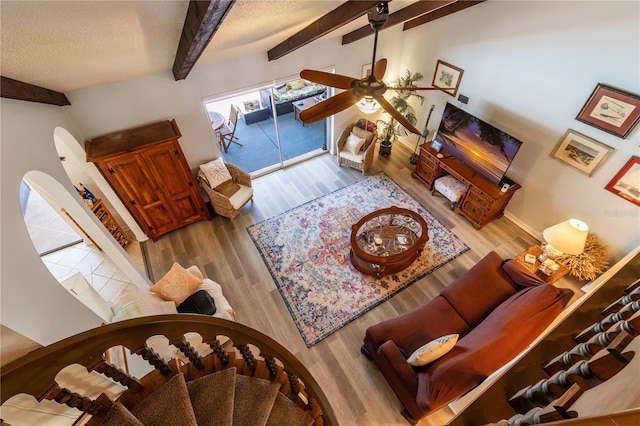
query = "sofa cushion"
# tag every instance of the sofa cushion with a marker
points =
(364, 134)
(177, 284)
(215, 172)
(432, 350)
(506, 332)
(414, 328)
(475, 294)
(241, 197)
(353, 144)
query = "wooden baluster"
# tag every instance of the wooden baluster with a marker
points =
(190, 352)
(632, 296)
(217, 348)
(617, 346)
(148, 354)
(271, 366)
(540, 394)
(249, 359)
(624, 313)
(562, 404)
(73, 400)
(632, 286)
(598, 342)
(117, 375)
(294, 383)
(599, 368)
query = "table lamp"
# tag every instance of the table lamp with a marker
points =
(568, 237)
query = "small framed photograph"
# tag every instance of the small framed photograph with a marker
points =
(611, 110)
(581, 152)
(626, 183)
(366, 70)
(447, 77)
(436, 145)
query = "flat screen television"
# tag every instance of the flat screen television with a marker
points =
(481, 146)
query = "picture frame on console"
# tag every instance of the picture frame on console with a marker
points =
(626, 183)
(447, 77)
(611, 110)
(581, 152)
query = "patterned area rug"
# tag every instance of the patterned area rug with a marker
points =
(307, 252)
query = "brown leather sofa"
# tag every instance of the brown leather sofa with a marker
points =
(498, 308)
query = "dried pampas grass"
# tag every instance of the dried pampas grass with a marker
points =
(587, 265)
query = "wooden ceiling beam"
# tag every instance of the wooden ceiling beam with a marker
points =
(200, 24)
(15, 89)
(402, 15)
(338, 17)
(454, 7)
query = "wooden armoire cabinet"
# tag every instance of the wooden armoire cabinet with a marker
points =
(147, 169)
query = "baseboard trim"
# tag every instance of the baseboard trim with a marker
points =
(526, 228)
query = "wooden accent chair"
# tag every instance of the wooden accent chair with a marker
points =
(227, 133)
(362, 158)
(229, 206)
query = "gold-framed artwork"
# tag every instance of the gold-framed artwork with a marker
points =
(611, 110)
(447, 77)
(581, 152)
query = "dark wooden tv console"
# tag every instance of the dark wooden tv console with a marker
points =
(483, 201)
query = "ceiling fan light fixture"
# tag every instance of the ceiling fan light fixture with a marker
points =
(368, 105)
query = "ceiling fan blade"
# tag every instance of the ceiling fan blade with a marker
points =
(380, 68)
(416, 88)
(395, 114)
(327, 108)
(328, 79)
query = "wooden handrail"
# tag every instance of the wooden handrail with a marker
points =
(35, 372)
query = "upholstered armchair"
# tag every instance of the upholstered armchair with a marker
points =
(354, 153)
(227, 198)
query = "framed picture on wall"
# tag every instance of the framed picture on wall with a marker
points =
(626, 183)
(366, 70)
(581, 152)
(447, 77)
(611, 110)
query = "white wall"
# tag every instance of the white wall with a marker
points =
(32, 301)
(528, 68)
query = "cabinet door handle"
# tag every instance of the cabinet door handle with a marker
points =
(190, 183)
(133, 202)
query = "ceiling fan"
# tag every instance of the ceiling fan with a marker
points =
(370, 88)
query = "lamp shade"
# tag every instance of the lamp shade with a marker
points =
(568, 237)
(368, 105)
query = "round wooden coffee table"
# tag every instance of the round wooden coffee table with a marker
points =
(387, 241)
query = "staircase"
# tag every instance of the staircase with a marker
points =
(237, 376)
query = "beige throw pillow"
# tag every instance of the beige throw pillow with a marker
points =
(216, 172)
(432, 350)
(361, 133)
(177, 284)
(353, 144)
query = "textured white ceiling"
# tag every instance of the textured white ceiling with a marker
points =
(69, 45)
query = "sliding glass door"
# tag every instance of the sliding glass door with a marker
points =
(269, 134)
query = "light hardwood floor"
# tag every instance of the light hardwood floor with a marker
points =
(224, 252)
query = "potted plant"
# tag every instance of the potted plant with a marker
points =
(391, 129)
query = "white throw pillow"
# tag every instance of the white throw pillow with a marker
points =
(433, 350)
(353, 144)
(216, 172)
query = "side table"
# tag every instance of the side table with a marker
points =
(534, 267)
